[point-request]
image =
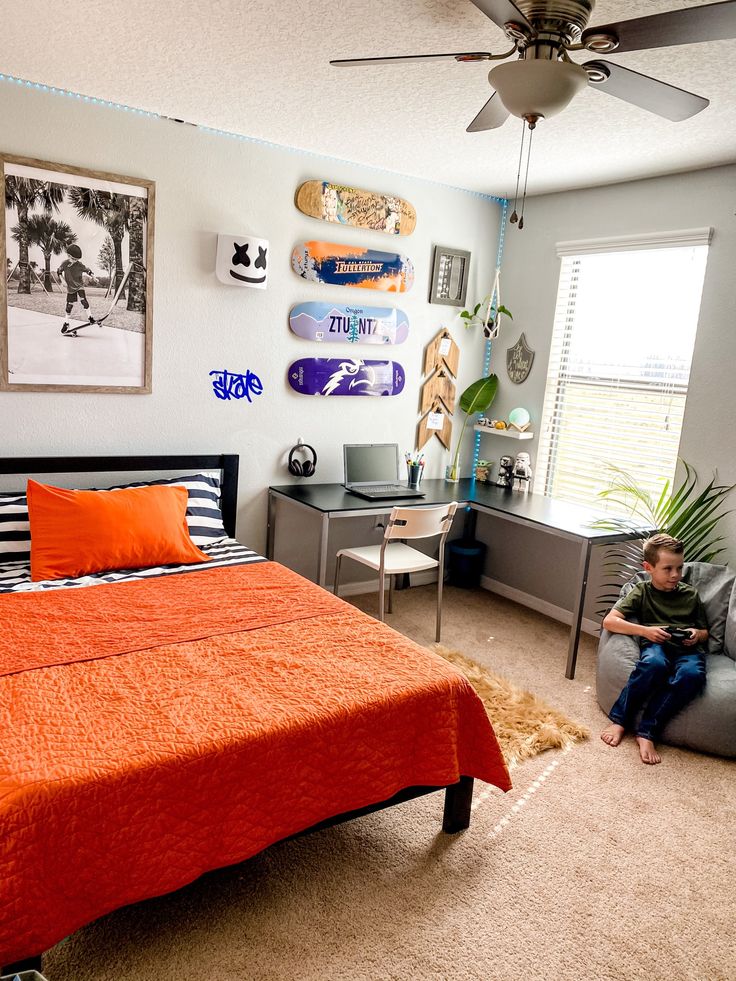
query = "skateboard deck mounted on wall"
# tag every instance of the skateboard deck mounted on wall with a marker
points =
(348, 265)
(352, 206)
(337, 376)
(349, 324)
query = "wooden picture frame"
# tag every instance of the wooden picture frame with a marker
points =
(450, 268)
(47, 343)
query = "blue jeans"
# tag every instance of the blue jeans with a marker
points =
(664, 680)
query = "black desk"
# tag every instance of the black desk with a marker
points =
(557, 518)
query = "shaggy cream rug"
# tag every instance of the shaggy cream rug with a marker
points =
(524, 724)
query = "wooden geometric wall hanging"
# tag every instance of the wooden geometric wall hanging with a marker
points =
(437, 402)
(435, 423)
(442, 349)
(439, 386)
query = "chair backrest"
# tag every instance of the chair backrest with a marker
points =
(420, 522)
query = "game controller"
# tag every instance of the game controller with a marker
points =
(678, 633)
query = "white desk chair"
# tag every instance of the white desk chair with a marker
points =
(392, 558)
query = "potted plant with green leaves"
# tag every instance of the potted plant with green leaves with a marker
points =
(486, 316)
(684, 511)
(477, 398)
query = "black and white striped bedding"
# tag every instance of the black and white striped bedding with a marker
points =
(15, 577)
(15, 531)
(204, 518)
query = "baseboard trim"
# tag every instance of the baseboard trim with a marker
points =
(371, 585)
(492, 586)
(535, 603)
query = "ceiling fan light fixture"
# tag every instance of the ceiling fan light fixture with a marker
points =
(537, 87)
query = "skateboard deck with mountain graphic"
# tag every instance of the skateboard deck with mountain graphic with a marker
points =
(336, 376)
(349, 265)
(349, 324)
(352, 206)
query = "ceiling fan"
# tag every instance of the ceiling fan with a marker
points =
(543, 79)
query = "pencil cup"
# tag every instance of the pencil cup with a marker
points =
(415, 474)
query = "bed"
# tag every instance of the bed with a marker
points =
(158, 723)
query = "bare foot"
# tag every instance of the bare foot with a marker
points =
(648, 751)
(613, 734)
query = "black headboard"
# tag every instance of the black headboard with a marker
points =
(226, 463)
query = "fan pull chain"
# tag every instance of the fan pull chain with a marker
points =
(514, 217)
(526, 175)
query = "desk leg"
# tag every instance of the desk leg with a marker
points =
(323, 540)
(577, 613)
(269, 526)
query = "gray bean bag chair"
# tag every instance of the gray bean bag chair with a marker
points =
(708, 723)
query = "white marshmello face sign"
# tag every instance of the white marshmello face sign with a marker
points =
(242, 261)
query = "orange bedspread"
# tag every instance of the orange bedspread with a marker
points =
(164, 728)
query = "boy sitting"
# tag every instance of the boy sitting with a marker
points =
(671, 670)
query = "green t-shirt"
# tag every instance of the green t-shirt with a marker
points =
(679, 607)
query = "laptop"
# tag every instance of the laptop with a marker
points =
(372, 471)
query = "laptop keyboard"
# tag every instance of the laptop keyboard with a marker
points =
(378, 488)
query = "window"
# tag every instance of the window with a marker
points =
(622, 345)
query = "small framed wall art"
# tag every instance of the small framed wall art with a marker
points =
(450, 269)
(76, 247)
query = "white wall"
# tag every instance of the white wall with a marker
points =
(207, 184)
(530, 279)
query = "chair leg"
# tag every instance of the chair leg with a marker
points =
(381, 594)
(440, 577)
(336, 584)
(390, 607)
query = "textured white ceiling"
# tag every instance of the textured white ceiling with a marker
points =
(261, 69)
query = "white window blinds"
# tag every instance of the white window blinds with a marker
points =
(623, 337)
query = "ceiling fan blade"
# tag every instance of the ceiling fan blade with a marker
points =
(711, 22)
(493, 114)
(646, 92)
(406, 59)
(503, 12)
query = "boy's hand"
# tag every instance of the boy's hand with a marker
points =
(696, 637)
(656, 635)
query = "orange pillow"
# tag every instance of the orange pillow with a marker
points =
(74, 532)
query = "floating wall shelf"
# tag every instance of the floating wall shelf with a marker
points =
(513, 433)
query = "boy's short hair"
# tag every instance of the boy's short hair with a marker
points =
(661, 543)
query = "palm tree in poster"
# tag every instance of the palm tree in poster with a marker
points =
(106, 259)
(51, 236)
(137, 215)
(24, 194)
(109, 210)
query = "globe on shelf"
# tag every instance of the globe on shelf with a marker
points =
(519, 419)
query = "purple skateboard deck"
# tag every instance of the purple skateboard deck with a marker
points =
(349, 324)
(335, 376)
(349, 265)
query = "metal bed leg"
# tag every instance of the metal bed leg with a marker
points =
(458, 798)
(29, 964)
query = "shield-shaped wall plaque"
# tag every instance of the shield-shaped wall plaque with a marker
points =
(519, 360)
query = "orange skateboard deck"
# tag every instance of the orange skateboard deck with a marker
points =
(352, 265)
(352, 206)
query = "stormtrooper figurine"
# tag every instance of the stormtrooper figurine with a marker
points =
(522, 474)
(505, 471)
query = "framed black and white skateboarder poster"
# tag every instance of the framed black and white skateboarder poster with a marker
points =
(76, 249)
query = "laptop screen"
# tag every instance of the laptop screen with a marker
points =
(367, 463)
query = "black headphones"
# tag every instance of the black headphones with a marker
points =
(307, 468)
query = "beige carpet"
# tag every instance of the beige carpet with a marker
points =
(524, 723)
(594, 868)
